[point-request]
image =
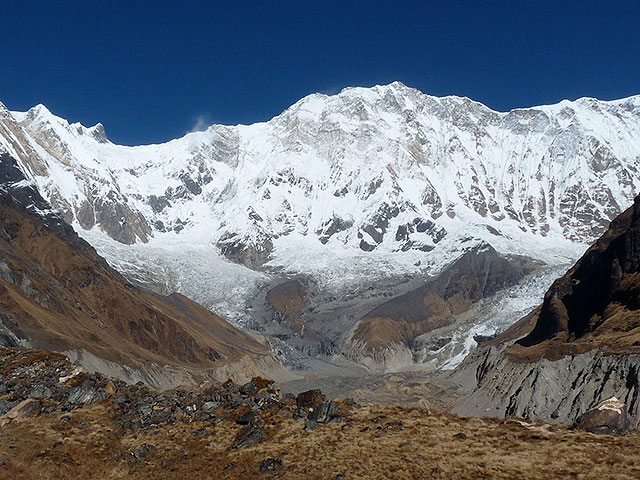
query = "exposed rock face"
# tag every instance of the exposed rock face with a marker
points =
(116, 218)
(581, 347)
(596, 303)
(246, 250)
(557, 391)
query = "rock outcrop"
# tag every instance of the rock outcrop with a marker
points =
(385, 338)
(36, 381)
(315, 409)
(26, 409)
(561, 390)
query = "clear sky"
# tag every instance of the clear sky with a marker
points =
(151, 71)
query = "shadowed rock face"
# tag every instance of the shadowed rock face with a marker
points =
(597, 303)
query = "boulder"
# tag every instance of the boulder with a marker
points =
(325, 412)
(248, 437)
(23, 411)
(110, 388)
(270, 465)
(248, 388)
(608, 417)
(255, 385)
(267, 400)
(249, 418)
(5, 406)
(86, 393)
(143, 450)
(309, 399)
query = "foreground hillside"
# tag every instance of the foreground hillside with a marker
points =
(114, 431)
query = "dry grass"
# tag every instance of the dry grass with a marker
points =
(373, 442)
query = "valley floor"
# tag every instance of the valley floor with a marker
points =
(372, 442)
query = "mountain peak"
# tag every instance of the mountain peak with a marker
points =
(39, 114)
(397, 84)
(39, 110)
(98, 133)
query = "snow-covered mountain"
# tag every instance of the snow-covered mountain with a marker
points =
(358, 192)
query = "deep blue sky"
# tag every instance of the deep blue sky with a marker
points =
(150, 70)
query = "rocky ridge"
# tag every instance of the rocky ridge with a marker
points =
(574, 181)
(585, 335)
(412, 326)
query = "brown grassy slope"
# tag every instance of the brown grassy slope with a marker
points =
(596, 304)
(373, 442)
(57, 292)
(370, 441)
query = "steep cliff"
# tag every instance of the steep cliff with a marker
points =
(389, 336)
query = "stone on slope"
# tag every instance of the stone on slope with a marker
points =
(270, 465)
(309, 399)
(325, 412)
(609, 416)
(26, 409)
(248, 437)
